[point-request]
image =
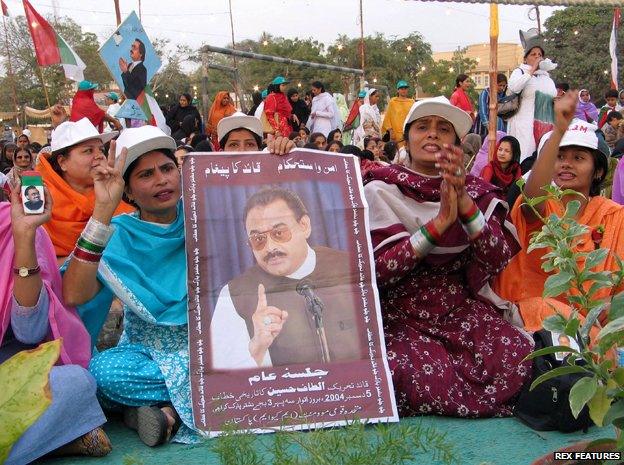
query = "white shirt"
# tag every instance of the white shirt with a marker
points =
(228, 332)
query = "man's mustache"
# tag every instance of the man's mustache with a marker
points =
(274, 254)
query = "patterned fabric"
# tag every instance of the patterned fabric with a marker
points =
(449, 348)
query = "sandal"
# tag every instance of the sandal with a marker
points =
(151, 423)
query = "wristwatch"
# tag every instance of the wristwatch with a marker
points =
(24, 272)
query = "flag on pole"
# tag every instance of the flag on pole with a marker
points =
(613, 48)
(150, 107)
(5, 9)
(51, 48)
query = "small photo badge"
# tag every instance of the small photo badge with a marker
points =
(32, 192)
(561, 339)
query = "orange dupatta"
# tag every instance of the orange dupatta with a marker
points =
(71, 210)
(522, 281)
(218, 112)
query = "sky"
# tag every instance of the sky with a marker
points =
(195, 22)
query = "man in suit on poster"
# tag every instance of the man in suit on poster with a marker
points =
(297, 304)
(134, 74)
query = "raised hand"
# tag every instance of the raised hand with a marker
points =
(564, 110)
(447, 215)
(123, 65)
(268, 322)
(108, 183)
(22, 223)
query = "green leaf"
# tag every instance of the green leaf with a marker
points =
(617, 307)
(557, 284)
(599, 405)
(572, 209)
(555, 323)
(572, 327)
(581, 393)
(612, 327)
(24, 391)
(590, 319)
(565, 370)
(595, 257)
(550, 350)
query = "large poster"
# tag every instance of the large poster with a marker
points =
(284, 320)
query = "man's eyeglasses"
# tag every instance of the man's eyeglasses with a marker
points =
(280, 234)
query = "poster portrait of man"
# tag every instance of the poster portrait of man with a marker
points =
(296, 303)
(33, 199)
(134, 74)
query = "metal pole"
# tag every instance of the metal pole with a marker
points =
(493, 84)
(539, 23)
(233, 56)
(362, 53)
(9, 66)
(204, 87)
(140, 17)
(274, 59)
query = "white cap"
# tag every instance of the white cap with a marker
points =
(70, 133)
(141, 140)
(440, 106)
(26, 132)
(239, 121)
(580, 133)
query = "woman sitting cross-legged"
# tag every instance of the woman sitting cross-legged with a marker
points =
(31, 312)
(146, 375)
(439, 236)
(571, 159)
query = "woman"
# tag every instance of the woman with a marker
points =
(334, 146)
(84, 106)
(438, 238)
(318, 140)
(370, 118)
(324, 114)
(336, 134)
(6, 157)
(221, 107)
(371, 143)
(23, 161)
(481, 159)
(23, 141)
(343, 108)
(299, 108)
(278, 109)
(460, 97)
(504, 170)
(570, 158)
(146, 375)
(67, 173)
(585, 109)
(535, 115)
(184, 118)
(31, 312)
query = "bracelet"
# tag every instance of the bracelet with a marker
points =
(475, 226)
(425, 239)
(97, 233)
(470, 215)
(84, 256)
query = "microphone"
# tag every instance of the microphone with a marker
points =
(313, 303)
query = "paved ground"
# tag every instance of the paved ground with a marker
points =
(478, 442)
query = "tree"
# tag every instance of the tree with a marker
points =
(577, 39)
(25, 69)
(439, 77)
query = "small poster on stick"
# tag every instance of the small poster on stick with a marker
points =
(284, 317)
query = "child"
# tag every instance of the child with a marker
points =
(504, 170)
(611, 96)
(613, 129)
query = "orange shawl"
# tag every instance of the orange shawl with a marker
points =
(218, 112)
(523, 279)
(71, 210)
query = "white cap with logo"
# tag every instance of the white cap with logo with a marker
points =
(140, 141)
(70, 133)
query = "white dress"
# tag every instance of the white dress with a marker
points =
(537, 88)
(327, 117)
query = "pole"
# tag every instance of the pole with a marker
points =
(9, 66)
(539, 23)
(204, 86)
(140, 17)
(493, 83)
(362, 53)
(117, 12)
(233, 56)
(45, 89)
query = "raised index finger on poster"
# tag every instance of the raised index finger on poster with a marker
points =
(297, 225)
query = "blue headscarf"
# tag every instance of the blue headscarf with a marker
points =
(144, 265)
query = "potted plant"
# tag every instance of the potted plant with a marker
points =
(574, 280)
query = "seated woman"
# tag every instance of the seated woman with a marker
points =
(22, 161)
(31, 311)
(570, 158)
(439, 236)
(504, 170)
(67, 173)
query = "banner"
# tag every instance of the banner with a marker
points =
(284, 316)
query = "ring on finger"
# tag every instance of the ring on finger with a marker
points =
(267, 320)
(458, 172)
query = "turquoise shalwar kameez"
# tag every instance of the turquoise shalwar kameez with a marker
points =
(144, 265)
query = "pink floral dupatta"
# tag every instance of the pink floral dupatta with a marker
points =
(64, 321)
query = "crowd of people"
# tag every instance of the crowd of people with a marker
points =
(460, 293)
